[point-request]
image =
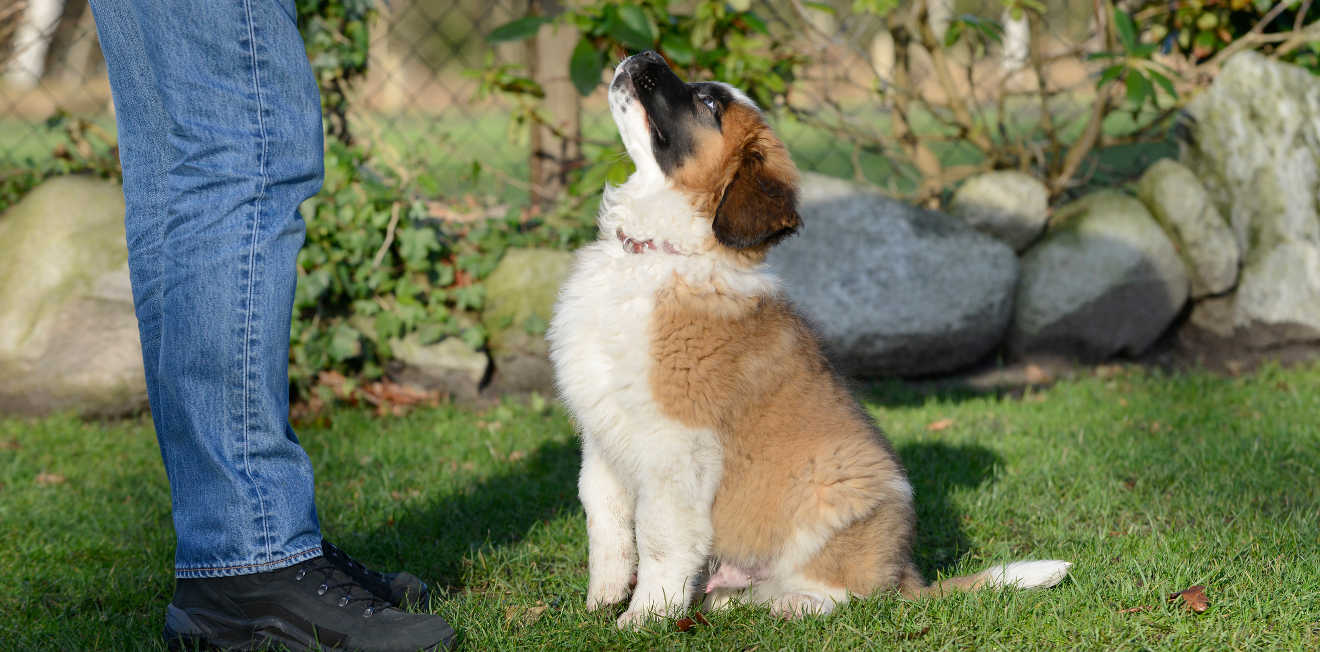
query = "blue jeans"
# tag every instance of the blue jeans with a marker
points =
(220, 141)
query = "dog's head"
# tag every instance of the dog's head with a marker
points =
(710, 142)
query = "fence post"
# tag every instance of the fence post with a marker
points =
(556, 145)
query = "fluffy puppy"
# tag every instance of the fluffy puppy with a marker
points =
(720, 453)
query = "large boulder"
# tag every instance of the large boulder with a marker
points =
(894, 289)
(520, 299)
(1009, 205)
(1105, 280)
(68, 335)
(1181, 205)
(1255, 143)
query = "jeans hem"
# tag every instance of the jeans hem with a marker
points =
(247, 569)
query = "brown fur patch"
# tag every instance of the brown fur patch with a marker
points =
(742, 177)
(799, 453)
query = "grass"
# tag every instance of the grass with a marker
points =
(1148, 482)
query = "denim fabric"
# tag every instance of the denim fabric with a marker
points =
(220, 140)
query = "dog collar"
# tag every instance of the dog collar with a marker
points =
(635, 246)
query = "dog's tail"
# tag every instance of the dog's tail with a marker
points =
(1039, 574)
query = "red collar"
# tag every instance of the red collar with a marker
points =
(635, 246)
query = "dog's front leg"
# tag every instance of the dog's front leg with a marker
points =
(612, 554)
(674, 532)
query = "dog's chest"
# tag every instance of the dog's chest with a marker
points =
(600, 335)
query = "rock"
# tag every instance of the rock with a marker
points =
(450, 366)
(1105, 280)
(1009, 205)
(520, 298)
(1255, 144)
(1181, 205)
(893, 289)
(68, 335)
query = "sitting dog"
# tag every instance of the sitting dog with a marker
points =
(720, 452)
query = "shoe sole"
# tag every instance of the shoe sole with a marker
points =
(207, 630)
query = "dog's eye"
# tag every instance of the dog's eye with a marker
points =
(709, 102)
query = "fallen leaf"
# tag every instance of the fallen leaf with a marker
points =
(516, 456)
(684, 624)
(525, 616)
(936, 426)
(701, 619)
(1133, 610)
(10, 445)
(1193, 598)
(47, 479)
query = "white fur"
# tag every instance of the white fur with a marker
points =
(1040, 574)
(647, 482)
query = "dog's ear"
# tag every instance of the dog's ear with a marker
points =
(759, 204)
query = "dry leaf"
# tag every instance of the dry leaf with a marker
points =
(47, 479)
(936, 426)
(684, 624)
(525, 616)
(1133, 610)
(10, 445)
(1193, 598)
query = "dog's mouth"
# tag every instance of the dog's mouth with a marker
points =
(626, 83)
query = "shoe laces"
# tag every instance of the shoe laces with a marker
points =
(375, 581)
(336, 581)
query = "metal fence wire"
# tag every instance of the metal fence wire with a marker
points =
(418, 106)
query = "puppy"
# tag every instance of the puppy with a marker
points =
(714, 434)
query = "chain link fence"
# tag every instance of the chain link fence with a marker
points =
(419, 107)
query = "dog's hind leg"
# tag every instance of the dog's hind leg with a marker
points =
(675, 492)
(612, 553)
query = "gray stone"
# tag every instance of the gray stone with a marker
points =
(1255, 144)
(893, 289)
(450, 366)
(68, 335)
(1005, 204)
(1204, 240)
(1105, 280)
(520, 298)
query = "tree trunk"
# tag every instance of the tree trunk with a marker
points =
(556, 145)
(28, 61)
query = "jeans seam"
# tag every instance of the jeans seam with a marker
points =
(252, 266)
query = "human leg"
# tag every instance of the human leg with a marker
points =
(220, 125)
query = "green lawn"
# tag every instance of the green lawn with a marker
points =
(1148, 482)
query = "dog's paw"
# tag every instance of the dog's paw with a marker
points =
(599, 597)
(798, 605)
(634, 619)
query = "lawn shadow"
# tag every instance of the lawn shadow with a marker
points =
(497, 510)
(936, 470)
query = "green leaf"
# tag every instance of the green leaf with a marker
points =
(1138, 88)
(620, 30)
(1110, 74)
(638, 21)
(584, 66)
(345, 342)
(1127, 30)
(819, 6)
(753, 21)
(517, 30)
(678, 48)
(1164, 83)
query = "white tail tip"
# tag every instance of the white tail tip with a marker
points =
(1040, 574)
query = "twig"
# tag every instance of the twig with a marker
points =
(1301, 15)
(1274, 13)
(389, 236)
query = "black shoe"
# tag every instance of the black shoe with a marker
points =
(310, 605)
(399, 589)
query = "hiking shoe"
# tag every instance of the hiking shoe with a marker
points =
(310, 605)
(399, 589)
